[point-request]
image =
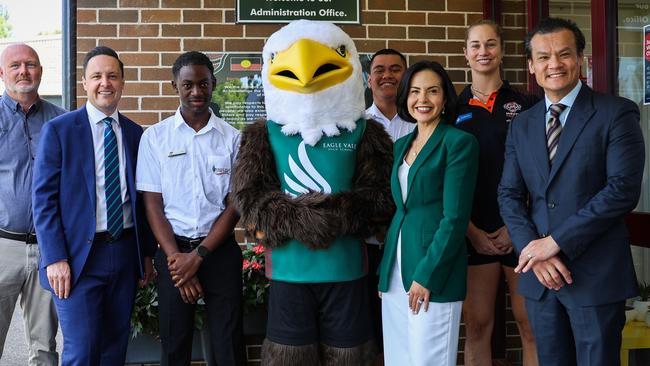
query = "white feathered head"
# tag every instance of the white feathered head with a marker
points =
(312, 80)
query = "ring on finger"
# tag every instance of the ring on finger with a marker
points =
(420, 301)
(530, 256)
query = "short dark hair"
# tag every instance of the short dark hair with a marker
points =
(102, 50)
(551, 25)
(449, 112)
(192, 58)
(388, 51)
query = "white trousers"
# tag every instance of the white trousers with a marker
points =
(425, 339)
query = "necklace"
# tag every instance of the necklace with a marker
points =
(416, 148)
(476, 91)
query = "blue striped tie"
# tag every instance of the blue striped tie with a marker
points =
(114, 222)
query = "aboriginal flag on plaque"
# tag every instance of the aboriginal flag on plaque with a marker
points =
(245, 64)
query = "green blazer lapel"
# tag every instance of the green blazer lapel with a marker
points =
(399, 160)
(423, 156)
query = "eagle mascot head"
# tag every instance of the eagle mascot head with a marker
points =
(312, 80)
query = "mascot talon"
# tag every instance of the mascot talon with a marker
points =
(313, 179)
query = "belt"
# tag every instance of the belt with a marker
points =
(28, 238)
(104, 237)
(188, 243)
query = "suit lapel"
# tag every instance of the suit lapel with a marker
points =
(397, 193)
(423, 156)
(537, 138)
(581, 112)
(86, 153)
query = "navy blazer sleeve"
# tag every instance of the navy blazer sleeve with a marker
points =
(513, 195)
(45, 197)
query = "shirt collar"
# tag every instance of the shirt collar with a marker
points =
(568, 99)
(376, 114)
(15, 106)
(213, 122)
(96, 116)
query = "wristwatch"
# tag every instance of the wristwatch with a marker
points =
(202, 251)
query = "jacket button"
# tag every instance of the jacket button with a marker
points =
(551, 205)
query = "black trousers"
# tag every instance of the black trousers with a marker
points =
(220, 276)
(375, 252)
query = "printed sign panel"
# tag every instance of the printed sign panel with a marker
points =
(646, 64)
(284, 11)
(238, 97)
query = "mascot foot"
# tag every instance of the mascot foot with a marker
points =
(275, 354)
(362, 355)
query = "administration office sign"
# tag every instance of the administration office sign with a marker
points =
(284, 11)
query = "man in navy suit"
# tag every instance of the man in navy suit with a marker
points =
(573, 169)
(93, 237)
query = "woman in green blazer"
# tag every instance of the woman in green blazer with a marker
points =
(422, 276)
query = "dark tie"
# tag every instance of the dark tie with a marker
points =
(553, 130)
(114, 223)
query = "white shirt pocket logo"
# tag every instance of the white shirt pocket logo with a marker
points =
(220, 171)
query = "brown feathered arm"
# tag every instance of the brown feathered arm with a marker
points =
(265, 210)
(369, 207)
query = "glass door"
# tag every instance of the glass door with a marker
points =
(632, 83)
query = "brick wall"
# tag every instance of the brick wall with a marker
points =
(150, 34)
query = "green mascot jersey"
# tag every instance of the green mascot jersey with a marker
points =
(327, 167)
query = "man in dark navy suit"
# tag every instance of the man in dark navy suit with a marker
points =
(573, 170)
(93, 238)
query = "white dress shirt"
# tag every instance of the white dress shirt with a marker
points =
(395, 127)
(95, 118)
(568, 101)
(191, 169)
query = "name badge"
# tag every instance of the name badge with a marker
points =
(176, 153)
(463, 117)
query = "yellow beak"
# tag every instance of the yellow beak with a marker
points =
(308, 67)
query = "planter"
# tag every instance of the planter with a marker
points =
(254, 322)
(146, 348)
(143, 349)
(641, 308)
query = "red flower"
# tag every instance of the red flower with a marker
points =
(258, 249)
(246, 264)
(256, 265)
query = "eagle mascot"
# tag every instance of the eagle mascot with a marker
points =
(310, 182)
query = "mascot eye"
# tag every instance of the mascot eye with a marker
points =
(341, 50)
(272, 57)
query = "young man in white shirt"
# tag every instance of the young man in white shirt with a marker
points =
(386, 69)
(184, 171)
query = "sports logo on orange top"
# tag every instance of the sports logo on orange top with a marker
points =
(245, 64)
